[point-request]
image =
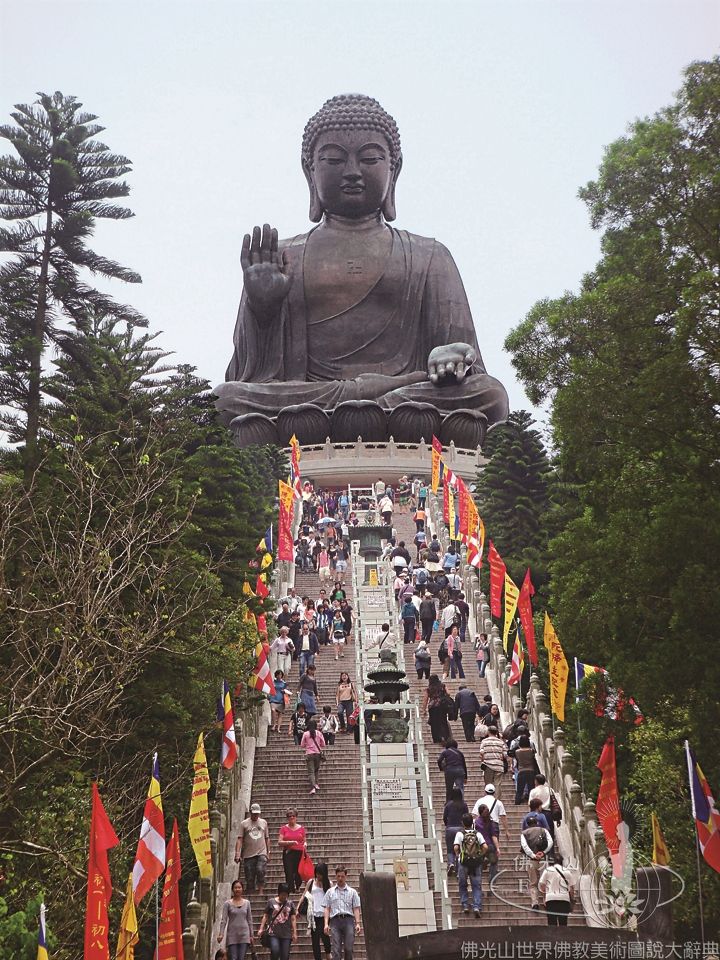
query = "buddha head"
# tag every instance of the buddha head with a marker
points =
(351, 158)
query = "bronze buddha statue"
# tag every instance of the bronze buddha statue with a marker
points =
(355, 328)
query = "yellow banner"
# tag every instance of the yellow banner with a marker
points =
(436, 457)
(660, 854)
(128, 937)
(558, 670)
(199, 819)
(511, 600)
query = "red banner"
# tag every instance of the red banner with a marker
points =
(497, 580)
(527, 590)
(99, 888)
(285, 521)
(170, 945)
(608, 802)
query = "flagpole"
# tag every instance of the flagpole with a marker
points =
(577, 700)
(157, 919)
(697, 840)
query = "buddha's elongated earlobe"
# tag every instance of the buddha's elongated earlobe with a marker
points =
(388, 207)
(316, 210)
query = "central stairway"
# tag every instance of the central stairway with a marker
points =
(332, 817)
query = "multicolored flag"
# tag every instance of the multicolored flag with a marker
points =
(170, 942)
(584, 670)
(704, 811)
(511, 601)
(261, 677)
(518, 663)
(266, 543)
(150, 855)
(497, 580)
(42, 953)
(660, 854)
(128, 937)
(229, 752)
(559, 670)
(199, 818)
(608, 804)
(99, 887)
(610, 701)
(527, 591)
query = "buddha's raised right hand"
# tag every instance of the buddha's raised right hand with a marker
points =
(264, 272)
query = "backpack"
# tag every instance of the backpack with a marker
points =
(443, 652)
(471, 850)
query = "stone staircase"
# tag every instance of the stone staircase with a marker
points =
(510, 905)
(332, 817)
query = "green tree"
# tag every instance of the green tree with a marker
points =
(513, 495)
(630, 364)
(58, 182)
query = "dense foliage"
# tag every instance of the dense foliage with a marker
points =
(122, 559)
(631, 365)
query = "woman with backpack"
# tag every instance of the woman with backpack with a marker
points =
(452, 762)
(436, 705)
(408, 615)
(470, 850)
(312, 905)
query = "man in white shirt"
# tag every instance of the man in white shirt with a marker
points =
(447, 617)
(536, 843)
(379, 489)
(496, 809)
(342, 907)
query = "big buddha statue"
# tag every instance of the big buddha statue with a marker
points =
(355, 328)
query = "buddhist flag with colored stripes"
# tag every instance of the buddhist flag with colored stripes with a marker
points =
(704, 811)
(261, 588)
(261, 677)
(518, 663)
(583, 670)
(660, 854)
(42, 953)
(150, 855)
(266, 544)
(229, 752)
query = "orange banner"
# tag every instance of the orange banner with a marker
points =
(285, 521)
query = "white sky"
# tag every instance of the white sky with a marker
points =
(503, 106)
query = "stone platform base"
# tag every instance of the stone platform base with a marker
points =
(361, 464)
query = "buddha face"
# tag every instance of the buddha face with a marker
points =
(351, 172)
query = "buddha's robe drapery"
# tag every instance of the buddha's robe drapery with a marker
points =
(377, 349)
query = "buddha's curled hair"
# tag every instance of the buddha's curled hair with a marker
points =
(351, 111)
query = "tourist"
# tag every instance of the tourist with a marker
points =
(283, 618)
(292, 841)
(519, 725)
(408, 615)
(422, 494)
(385, 506)
(536, 843)
(454, 649)
(427, 616)
(379, 488)
(323, 622)
(435, 709)
(342, 915)
(252, 849)
(422, 660)
(444, 658)
(337, 631)
(308, 690)
(277, 701)
(493, 758)
(347, 614)
(308, 646)
(297, 724)
(432, 562)
(314, 896)
(496, 809)
(338, 592)
(492, 718)
(236, 923)
(452, 762)
(541, 791)
(419, 519)
(346, 699)
(525, 769)
(328, 725)
(467, 708)
(450, 560)
(463, 609)
(470, 848)
(536, 810)
(453, 812)
(482, 653)
(324, 565)
(283, 648)
(313, 743)
(491, 831)
(280, 921)
(556, 884)
(485, 706)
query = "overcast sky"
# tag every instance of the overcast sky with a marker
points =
(504, 108)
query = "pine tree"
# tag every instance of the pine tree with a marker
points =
(513, 495)
(59, 182)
